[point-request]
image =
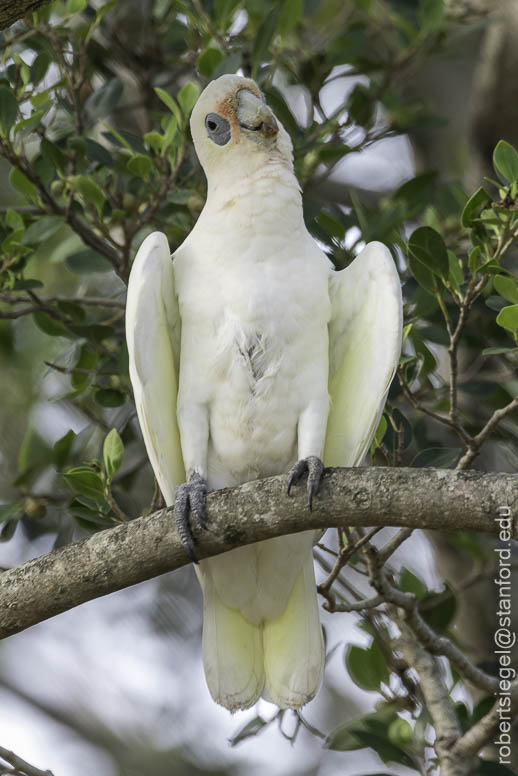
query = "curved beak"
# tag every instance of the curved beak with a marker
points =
(254, 115)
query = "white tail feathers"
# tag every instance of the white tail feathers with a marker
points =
(293, 645)
(232, 652)
(283, 656)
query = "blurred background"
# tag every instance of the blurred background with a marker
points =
(394, 107)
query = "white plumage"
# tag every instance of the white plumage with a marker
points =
(240, 348)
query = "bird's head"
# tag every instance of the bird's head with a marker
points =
(233, 127)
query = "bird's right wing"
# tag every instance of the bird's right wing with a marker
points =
(153, 336)
(364, 348)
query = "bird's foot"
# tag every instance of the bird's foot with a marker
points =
(314, 467)
(190, 503)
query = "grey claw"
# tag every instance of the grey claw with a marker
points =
(315, 468)
(189, 503)
(296, 473)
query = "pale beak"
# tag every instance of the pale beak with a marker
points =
(254, 115)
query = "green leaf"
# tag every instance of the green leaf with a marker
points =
(498, 351)
(438, 609)
(331, 225)
(12, 240)
(7, 531)
(25, 126)
(387, 751)
(360, 106)
(170, 103)
(290, 15)
(208, 61)
(492, 768)
(229, 65)
(171, 127)
(367, 667)
(14, 220)
(505, 161)
(380, 433)
(102, 102)
(24, 283)
(87, 261)
(482, 708)
(21, 183)
(477, 202)
(113, 453)
(51, 326)
(280, 107)
(431, 14)
(89, 190)
(10, 512)
(39, 68)
(140, 165)
(427, 246)
(438, 457)
(188, 96)
(86, 517)
(62, 449)
(495, 303)
(251, 728)
(415, 193)
(108, 397)
(42, 229)
(424, 277)
(75, 6)
(400, 732)
(41, 98)
(409, 583)
(263, 38)
(474, 262)
(344, 737)
(507, 318)
(506, 287)
(154, 140)
(85, 480)
(8, 110)
(87, 360)
(98, 153)
(54, 154)
(455, 274)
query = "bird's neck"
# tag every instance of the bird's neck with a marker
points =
(269, 195)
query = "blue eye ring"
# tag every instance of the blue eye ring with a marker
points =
(218, 128)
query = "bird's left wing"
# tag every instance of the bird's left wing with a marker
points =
(364, 346)
(153, 336)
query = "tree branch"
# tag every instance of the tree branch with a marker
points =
(478, 736)
(12, 10)
(437, 699)
(150, 545)
(20, 766)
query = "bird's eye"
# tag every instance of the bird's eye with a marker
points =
(218, 128)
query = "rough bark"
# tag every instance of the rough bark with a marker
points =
(12, 10)
(148, 546)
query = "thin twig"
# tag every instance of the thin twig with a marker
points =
(391, 546)
(477, 441)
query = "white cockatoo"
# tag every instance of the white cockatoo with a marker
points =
(251, 356)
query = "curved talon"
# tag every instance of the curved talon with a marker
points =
(314, 466)
(190, 502)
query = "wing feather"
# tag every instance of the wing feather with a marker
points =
(153, 337)
(364, 347)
